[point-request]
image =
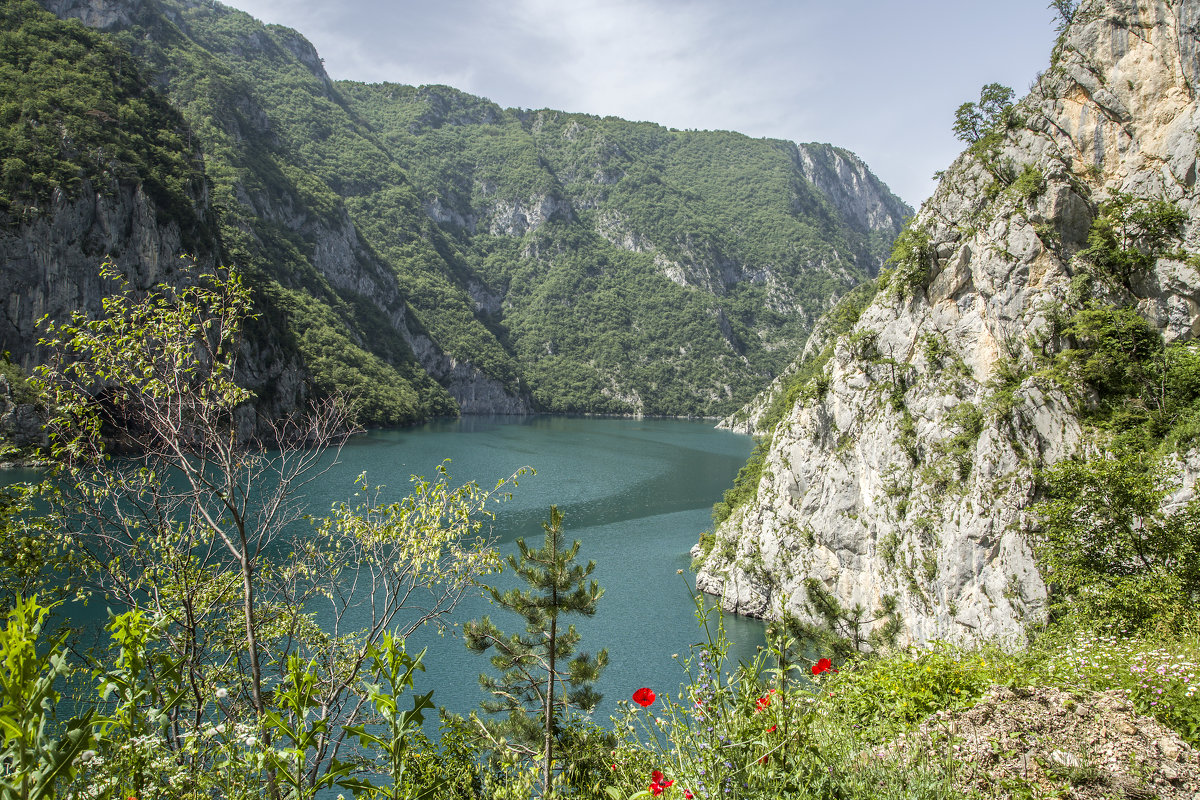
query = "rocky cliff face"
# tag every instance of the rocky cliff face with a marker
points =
(904, 478)
(859, 197)
(268, 210)
(51, 258)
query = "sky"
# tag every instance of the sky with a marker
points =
(881, 78)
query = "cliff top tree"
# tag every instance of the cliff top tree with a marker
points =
(531, 665)
(973, 122)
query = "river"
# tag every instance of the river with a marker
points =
(636, 493)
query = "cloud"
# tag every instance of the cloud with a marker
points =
(877, 77)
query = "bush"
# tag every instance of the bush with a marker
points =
(1131, 233)
(912, 257)
(1112, 555)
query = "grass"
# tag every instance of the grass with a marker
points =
(881, 726)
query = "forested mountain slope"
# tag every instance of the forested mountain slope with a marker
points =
(708, 254)
(1042, 305)
(427, 251)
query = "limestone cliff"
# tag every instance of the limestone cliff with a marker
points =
(276, 223)
(904, 474)
(426, 251)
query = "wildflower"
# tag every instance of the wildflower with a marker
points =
(772, 729)
(824, 665)
(658, 783)
(222, 693)
(687, 795)
(644, 697)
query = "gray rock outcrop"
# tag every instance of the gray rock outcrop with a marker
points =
(909, 479)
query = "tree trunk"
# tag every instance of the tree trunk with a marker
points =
(549, 708)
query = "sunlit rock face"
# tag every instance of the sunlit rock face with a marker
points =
(909, 476)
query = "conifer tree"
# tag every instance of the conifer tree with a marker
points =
(533, 664)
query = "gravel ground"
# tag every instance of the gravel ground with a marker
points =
(1053, 743)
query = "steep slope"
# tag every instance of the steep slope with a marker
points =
(336, 314)
(427, 252)
(94, 163)
(898, 484)
(706, 255)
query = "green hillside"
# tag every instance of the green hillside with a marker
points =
(408, 246)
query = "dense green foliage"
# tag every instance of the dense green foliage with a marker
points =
(79, 112)
(75, 109)
(577, 223)
(587, 264)
(1111, 552)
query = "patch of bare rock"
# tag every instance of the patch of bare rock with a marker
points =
(1049, 742)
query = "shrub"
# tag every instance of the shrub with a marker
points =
(912, 257)
(1112, 555)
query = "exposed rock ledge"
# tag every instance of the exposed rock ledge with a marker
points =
(877, 489)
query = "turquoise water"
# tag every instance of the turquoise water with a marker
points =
(636, 493)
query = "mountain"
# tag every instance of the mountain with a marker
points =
(706, 254)
(420, 249)
(1041, 306)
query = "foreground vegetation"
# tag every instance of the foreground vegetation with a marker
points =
(221, 674)
(773, 728)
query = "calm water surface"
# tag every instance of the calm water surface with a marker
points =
(636, 493)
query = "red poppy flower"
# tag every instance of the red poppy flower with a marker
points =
(687, 794)
(772, 729)
(658, 783)
(644, 697)
(824, 665)
(762, 703)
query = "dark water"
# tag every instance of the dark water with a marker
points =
(636, 493)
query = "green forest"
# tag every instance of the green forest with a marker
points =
(364, 255)
(577, 264)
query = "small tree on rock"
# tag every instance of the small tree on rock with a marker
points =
(975, 122)
(533, 664)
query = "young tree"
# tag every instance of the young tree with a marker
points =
(196, 522)
(973, 122)
(533, 664)
(1130, 233)
(1066, 13)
